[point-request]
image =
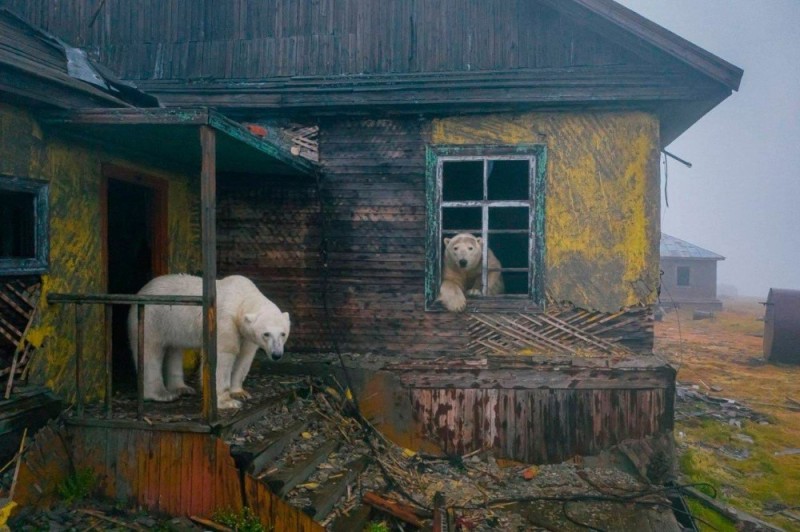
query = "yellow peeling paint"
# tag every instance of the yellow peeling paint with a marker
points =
(602, 198)
(75, 261)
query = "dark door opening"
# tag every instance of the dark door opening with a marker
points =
(135, 224)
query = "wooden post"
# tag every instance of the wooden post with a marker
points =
(78, 357)
(109, 361)
(140, 361)
(208, 223)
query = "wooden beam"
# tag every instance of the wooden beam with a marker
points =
(208, 223)
(283, 482)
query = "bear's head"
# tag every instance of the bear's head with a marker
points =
(464, 251)
(269, 330)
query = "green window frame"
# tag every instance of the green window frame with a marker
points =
(24, 222)
(481, 204)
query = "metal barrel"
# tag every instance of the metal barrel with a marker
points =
(782, 326)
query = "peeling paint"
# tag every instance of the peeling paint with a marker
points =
(76, 262)
(602, 206)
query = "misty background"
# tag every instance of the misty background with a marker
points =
(741, 198)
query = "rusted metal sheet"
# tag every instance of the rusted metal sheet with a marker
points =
(782, 326)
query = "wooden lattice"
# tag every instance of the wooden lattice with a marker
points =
(18, 306)
(304, 140)
(558, 331)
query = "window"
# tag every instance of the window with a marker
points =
(495, 193)
(23, 226)
(684, 276)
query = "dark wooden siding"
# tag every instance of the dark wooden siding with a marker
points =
(180, 39)
(373, 189)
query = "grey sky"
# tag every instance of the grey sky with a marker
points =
(741, 198)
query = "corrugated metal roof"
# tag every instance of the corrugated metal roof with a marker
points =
(672, 247)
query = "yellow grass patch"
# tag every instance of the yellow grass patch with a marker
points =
(726, 353)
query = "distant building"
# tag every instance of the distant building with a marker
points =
(689, 275)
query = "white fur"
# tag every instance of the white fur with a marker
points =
(246, 320)
(461, 272)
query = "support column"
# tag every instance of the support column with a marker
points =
(208, 223)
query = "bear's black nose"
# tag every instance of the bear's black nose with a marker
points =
(463, 263)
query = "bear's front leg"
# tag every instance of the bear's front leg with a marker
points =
(241, 367)
(452, 296)
(225, 361)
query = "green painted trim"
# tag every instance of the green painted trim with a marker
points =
(277, 151)
(433, 259)
(41, 213)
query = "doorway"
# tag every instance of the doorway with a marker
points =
(135, 243)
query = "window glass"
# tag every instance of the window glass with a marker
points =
(462, 180)
(508, 180)
(684, 276)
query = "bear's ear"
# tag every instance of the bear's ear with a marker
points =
(479, 240)
(286, 317)
(447, 241)
(249, 318)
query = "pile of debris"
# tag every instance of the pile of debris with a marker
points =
(692, 403)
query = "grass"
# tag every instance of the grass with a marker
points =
(726, 353)
(78, 486)
(241, 521)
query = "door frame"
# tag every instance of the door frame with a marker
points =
(160, 220)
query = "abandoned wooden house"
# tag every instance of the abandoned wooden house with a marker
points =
(342, 142)
(689, 275)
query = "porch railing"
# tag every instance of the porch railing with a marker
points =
(79, 303)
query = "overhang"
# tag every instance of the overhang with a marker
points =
(170, 138)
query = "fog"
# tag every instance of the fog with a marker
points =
(741, 198)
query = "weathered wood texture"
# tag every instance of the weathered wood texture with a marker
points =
(179, 39)
(272, 510)
(373, 190)
(178, 473)
(540, 426)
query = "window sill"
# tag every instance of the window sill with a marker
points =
(481, 305)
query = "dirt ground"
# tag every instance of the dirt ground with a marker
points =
(753, 464)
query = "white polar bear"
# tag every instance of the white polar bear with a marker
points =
(246, 320)
(461, 272)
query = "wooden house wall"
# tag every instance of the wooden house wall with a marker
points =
(601, 225)
(182, 39)
(74, 174)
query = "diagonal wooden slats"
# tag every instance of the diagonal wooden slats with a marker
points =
(283, 481)
(561, 329)
(18, 308)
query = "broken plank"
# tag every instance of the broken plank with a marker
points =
(254, 458)
(394, 508)
(327, 495)
(282, 482)
(250, 415)
(356, 519)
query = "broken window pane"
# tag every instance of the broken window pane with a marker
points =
(462, 180)
(508, 218)
(17, 224)
(516, 282)
(511, 249)
(508, 180)
(461, 220)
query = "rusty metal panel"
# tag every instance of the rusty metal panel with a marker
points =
(782, 326)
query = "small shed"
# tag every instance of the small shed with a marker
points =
(688, 275)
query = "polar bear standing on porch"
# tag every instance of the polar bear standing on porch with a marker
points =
(246, 320)
(461, 272)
